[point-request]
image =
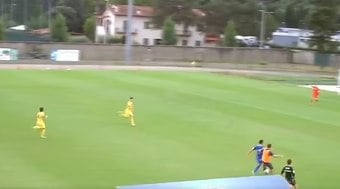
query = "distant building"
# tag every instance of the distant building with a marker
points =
(294, 37)
(114, 22)
(290, 37)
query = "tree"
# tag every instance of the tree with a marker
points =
(59, 29)
(72, 20)
(271, 25)
(291, 19)
(229, 35)
(169, 32)
(181, 11)
(90, 27)
(323, 23)
(338, 16)
(37, 22)
(244, 13)
(2, 31)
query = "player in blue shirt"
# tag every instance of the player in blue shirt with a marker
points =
(259, 151)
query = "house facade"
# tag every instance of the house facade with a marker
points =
(114, 22)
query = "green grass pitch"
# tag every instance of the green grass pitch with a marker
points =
(189, 126)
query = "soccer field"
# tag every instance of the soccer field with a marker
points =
(189, 126)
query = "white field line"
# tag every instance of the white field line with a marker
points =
(331, 88)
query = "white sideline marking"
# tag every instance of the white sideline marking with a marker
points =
(331, 88)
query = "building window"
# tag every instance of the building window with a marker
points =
(125, 25)
(199, 27)
(147, 25)
(197, 43)
(184, 42)
(108, 27)
(157, 41)
(146, 41)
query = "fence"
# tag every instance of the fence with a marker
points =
(100, 52)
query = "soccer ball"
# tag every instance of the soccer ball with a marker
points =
(266, 171)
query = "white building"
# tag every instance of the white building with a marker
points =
(294, 37)
(291, 37)
(114, 23)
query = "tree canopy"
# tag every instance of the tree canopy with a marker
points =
(323, 22)
(244, 13)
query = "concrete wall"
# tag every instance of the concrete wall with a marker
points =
(303, 57)
(335, 61)
(161, 53)
(307, 57)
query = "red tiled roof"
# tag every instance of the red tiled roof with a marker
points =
(198, 12)
(42, 31)
(142, 11)
(138, 11)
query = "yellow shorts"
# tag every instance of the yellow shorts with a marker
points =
(127, 113)
(41, 125)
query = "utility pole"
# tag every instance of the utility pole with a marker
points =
(96, 22)
(128, 36)
(263, 26)
(105, 23)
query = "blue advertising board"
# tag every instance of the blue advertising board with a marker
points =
(252, 182)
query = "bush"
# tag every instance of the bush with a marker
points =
(2, 31)
(169, 33)
(79, 39)
(115, 40)
(59, 29)
(90, 27)
(229, 35)
(37, 22)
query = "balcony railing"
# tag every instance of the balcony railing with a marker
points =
(184, 33)
(124, 30)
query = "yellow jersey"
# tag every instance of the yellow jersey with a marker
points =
(41, 117)
(129, 105)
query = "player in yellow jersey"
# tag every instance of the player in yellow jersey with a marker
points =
(129, 111)
(40, 125)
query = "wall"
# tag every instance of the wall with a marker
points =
(303, 57)
(307, 57)
(91, 52)
(335, 61)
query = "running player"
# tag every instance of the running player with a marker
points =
(289, 173)
(129, 111)
(40, 124)
(259, 151)
(267, 158)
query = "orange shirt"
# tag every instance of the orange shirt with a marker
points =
(267, 155)
(316, 91)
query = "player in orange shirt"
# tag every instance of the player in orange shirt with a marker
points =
(267, 158)
(315, 94)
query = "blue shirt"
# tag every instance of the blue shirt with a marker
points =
(259, 151)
